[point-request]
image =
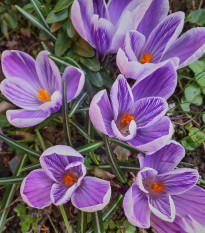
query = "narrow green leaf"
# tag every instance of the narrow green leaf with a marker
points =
(11, 21)
(97, 222)
(90, 147)
(31, 167)
(35, 21)
(95, 78)
(84, 49)
(114, 163)
(125, 145)
(62, 4)
(11, 180)
(38, 11)
(63, 42)
(81, 222)
(66, 126)
(54, 17)
(45, 47)
(92, 63)
(77, 104)
(9, 194)
(65, 218)
(19, 147)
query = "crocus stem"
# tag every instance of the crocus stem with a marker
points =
(40, 139)
(97, 222)
(63, 213)
(82, 222)
(113, 162)
(66, 124)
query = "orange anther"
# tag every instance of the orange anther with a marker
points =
(146, 58)
(43, 95)
(69, 179)
(126, 119)
(158, 187)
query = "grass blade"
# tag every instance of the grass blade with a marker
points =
(77, 104)
(82, 222)
(97, 222)
(90, 147)
(11, 180)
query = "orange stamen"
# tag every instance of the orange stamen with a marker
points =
(69, 179)
(146, 58)
(43, 95)
(158, 187)
(126, 119)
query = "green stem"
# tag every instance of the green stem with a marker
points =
(82, 222)
(97, 222)
(40, 139)
(63, 213)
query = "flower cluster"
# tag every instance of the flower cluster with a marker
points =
(149, 50)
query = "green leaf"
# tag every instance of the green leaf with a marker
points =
(129, 228)
(81, 222)
(97, 222)
(197, 17)
(19, 147)
(185, 105)
(11, 180)
(63, 42)
(197, 136)
(77, 104)
(4, 27)
(56, 17)
(69, 28)
(95, 78)
(191, 92)
(203, 118)
(3, 121)
(84, 49)
(90, 147)
(198, 67)
(62, 4)
(36, 22)
(92, 63)
(10, 20)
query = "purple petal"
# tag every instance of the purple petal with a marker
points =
(159, 225)
(48, 73)
(55, 159)
(26, 118)
(61, 193)
(153, 138)
(164, 80)
(144, 176)
(163, 36)
(102, 32)
(75, 80)
(132, 130)
(36, 188)
(188, 48)
(121, 97)
(20, 93)
(179, 180)
(191, 203)
(135, 205)
(100, 8)
(157, 11)
(100, 113)
(20, 65)
(133, 45)
(162, 206)
(92, 195)
(149, 110)
(81, 13)
(165, 159)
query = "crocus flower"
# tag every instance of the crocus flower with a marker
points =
(144, 52)
(164, 197)
(103, 25)
(36, 86)
(62, 178)
(133, 115)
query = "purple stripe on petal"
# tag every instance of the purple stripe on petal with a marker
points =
(135, 205)
(179, 180)
(100, 113)
(100, 8)
(153, 138)
(21, 65)
(165, 159)
(148, 111)
(20, 93)
(121, 97)
(162, 206)
(163, 36)
(164, 81)
(92, 195)
(48, 73)
(75, 80)
(188, 48)
(26, 118)
(35, 189)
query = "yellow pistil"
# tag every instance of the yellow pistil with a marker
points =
(69, 179)
(43, 95)
(146, 58)
(156, 187)
(126, 119)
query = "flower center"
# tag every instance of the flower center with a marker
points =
(147, 57)
(69, 179)
(43, 95)
(156, 187)
(126, 119)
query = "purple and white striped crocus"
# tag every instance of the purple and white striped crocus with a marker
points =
(62, 178)
(146, 50)
(103, 25)
(165, 198)
(134, 115)
(36, 86)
